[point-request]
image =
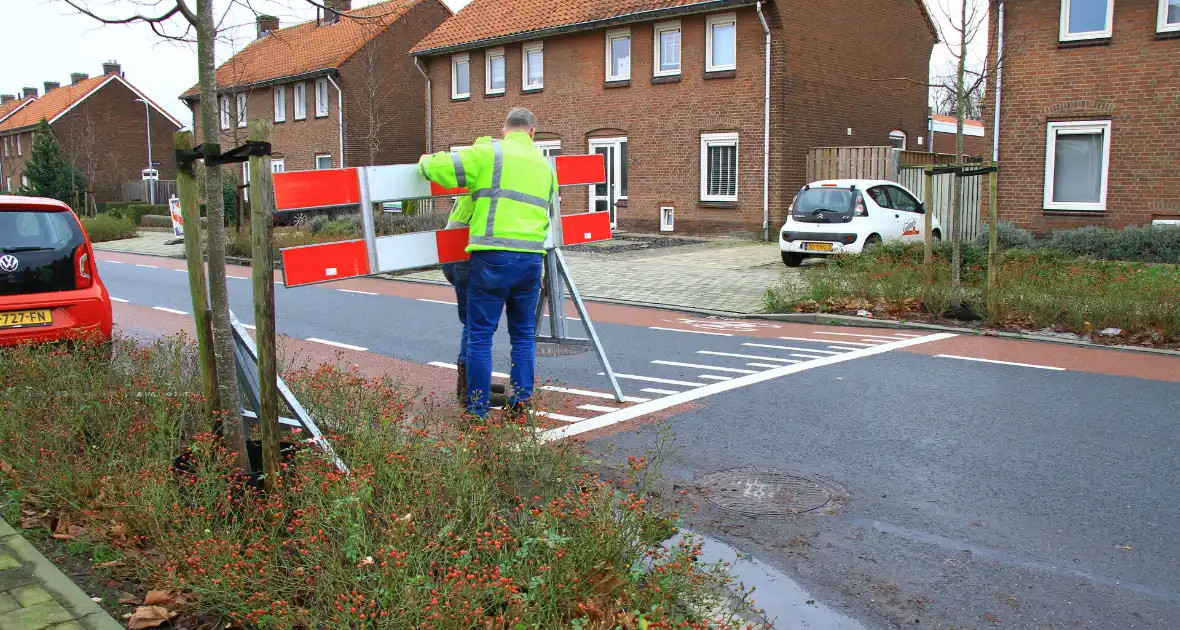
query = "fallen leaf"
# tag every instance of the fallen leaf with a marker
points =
(1125, 547)
(128, 598)
(149, 617)
(159, 598)
(6, 468)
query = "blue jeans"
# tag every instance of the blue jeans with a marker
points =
(502, 280)
(457, 274)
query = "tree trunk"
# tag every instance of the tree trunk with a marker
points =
(227, 380)
(957, 202)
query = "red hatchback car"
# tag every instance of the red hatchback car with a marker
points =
(49, 285)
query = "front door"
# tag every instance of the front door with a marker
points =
(603, 197)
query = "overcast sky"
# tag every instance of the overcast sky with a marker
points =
(50, 40)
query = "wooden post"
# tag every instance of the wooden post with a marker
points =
(993, 237)
(261, 227)
(928, 202)
(190, 212)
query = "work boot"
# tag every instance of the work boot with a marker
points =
(461, 384)
(497, 399)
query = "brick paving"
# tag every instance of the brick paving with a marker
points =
(149, 243)
(35, 595)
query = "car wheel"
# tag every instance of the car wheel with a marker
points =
(936, 235)
(792, 259)
(874, 240)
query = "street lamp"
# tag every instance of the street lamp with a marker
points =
(147, 116)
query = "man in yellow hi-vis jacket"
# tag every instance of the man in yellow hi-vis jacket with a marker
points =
(512, 184)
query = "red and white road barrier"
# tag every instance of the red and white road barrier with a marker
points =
(325, 262)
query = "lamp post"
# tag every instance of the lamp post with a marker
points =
(147, 116)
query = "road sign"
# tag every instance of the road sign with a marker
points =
(177, 218)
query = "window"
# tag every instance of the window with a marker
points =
(1077, 159)
(24, 180)
(902, 200)
(321, 98)
(278, 166)
(1086, 19)
(241, 110)
(897, 139)
(300, 101)
(880, 197)
(1169, 20)
(667, 49)
(280, 103)
(225, 112)
(721, 42)
(8, 183)
(5, 146)
(549, 148)
(719, 167)
(494, 71)
(460, 76)
(618, 55)
(323, 161)
(18, 149)
(533, 65)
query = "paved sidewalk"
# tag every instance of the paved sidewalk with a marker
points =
(149, 243)
(35, 595)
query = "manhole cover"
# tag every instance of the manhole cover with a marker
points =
(755, 492)
(559, 349)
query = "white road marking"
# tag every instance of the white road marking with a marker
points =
(652, 379)
(250, 326)
(703, 367)
(663, 392)
(170, 310)
(337, 344)
(842, 348)
(695, 332)
(112, 262)
(147, 266)
(591, 394)
(438, 301)
(185, 271)
(452, 366)
(558, 416)
(598, 408)
(848, 343)
(357, 292)
(771, 365)
(239, 278)
(743, 356)
(569, 317)
(773, 347)
(642, 409)
(806, 356)
(710, 377)
(905, 335)
(1027, 365)
(843, 334)
(120, 300)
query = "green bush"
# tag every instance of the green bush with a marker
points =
(417, 222)
(317, 223)
(105, 227)
(1008, 236)
(133, 211)
(1138, 244)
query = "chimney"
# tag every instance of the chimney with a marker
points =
(51, 86)
(112, 67)
(6, 99)
(333, 7)
(78, 77)
(30, 92)
(267, 24)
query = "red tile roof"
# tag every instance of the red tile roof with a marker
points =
(10, 106)
(491, 19)
(50, 105)
(308, 47)
(951, 120)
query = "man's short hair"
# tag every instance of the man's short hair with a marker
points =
(520, 119)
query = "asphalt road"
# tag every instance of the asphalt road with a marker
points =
(963, 493)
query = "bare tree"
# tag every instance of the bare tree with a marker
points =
(944, 97)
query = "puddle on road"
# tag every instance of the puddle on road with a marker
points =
(783, 601)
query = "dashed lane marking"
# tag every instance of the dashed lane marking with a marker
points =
(356, 292)
(662, 392)
(184, 271)
(170, 310)
(336, 344)
(147, 266)
(847, 343)
(569, 317)
(250, 326)
(120, 300)
(643, 409)
(438, 302)
(694, 332)
(452, 366)
(743, 356)
(598, 408)
(774, 347)
(112, 262)
(560, 417)
(711, 377)
(652, 379)
(699, 366)
(866, 337)
(1027, 365)
(593, 394)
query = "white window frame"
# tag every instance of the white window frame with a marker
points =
(299, 94)
(320, 156)
(278, 165)
(24, 180)
(280, 96)
(243, 104)
(611, 36)
(898, 134)
(6, 143)
(1064, 34)
(224, 112)
(710, 22)
(657, 53)
(8, 183)
(547, 145)
(322, 105)
(488, 56)
(719, 139)
(1162, 25)
(1076, 127)
(525, 49)
(456, 61)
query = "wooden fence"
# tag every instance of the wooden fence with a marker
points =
(138, 190)
(942, 199)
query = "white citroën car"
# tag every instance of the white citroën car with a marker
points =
(844, 216)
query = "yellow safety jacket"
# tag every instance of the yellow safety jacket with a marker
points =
(511, 184)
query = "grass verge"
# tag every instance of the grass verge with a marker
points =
(105, 227)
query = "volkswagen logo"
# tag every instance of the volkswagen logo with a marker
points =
(8, 264)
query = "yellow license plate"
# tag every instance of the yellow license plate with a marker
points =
(818, 247)
(24, 319)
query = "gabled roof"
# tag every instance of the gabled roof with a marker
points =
(306, 48)
(484, 22)
(13, 106)
(951, 120)
(60, 101)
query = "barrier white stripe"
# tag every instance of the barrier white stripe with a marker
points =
(699, 366)
(407, 251)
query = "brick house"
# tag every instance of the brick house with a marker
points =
(673, 94)
(1089, 112)
(303, 77)
(100, 127)
(942, 136)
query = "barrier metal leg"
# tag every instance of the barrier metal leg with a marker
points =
(559, 262)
